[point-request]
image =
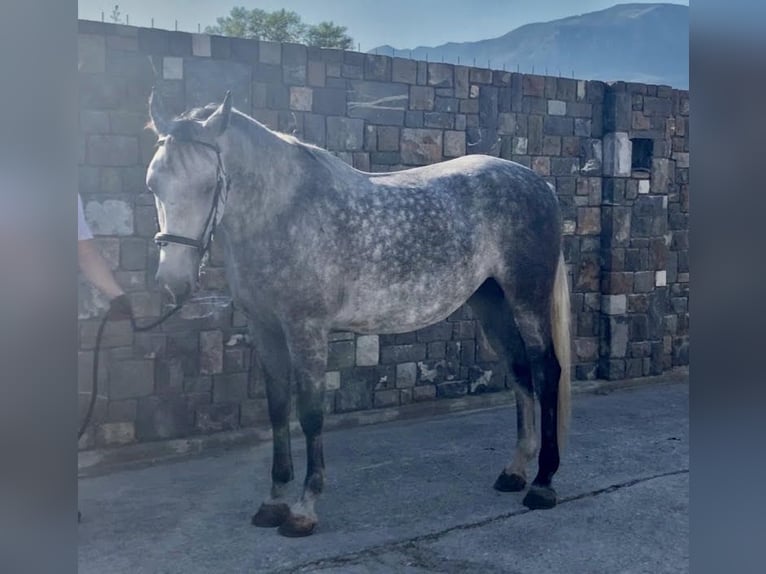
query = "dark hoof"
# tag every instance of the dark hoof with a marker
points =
(297, 526)
(510, 483)
(270, 515)
(540, 497)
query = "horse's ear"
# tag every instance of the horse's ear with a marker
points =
(157, 116)
(217, 123)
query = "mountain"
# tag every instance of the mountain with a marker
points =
(647, 43)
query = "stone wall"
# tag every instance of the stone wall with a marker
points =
(626, 238)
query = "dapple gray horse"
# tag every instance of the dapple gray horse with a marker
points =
(313, 245)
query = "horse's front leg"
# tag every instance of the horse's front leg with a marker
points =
(309, 358)
(271, 348)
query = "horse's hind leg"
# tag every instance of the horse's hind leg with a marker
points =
(273, 354)
(491, 308)
(545, 370)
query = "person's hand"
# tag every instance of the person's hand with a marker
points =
(120, 309)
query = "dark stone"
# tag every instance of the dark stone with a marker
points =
(438, 120)
(204, 77)
(356, 389)
(314, 129)
(452, 389)
(639, 327)
(533, 105)
(244, 50)
(133, 253)
(643, 281)
(413, 119)
(217, 417)
(230, 388)
(403, 353)
(618, 108)
(152, 41)
(558, 126)
(341, 354)
(404, 70)
(612, 370)
(163, 417)
(438, 332)
(437, 350)
(377, 68)
(442, 104)
(329, 101)
(220, 47)
(564, 166)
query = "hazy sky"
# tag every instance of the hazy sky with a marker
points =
(400, 23)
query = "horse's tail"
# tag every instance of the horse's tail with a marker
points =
(560, 318)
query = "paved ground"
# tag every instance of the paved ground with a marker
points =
(416, 497)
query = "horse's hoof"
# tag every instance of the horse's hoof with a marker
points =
(540, 497)
(510, 483)
(270, 515)
(296, 526)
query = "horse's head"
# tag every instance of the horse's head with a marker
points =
(189, 183)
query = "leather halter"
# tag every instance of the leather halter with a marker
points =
(221, 192)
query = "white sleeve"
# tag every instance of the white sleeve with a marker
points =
(83, 230)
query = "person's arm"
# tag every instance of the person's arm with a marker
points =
(96, 269)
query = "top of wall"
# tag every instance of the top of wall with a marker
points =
(159, 42)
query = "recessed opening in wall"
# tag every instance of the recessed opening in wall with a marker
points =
(642, 155)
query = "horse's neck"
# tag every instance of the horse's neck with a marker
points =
(263, 174)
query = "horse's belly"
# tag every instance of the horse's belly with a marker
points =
(403, 308)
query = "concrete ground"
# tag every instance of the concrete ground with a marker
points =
(416, 497)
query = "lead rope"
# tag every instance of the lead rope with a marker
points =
(97, 351)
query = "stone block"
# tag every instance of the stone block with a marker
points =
(377, 68)
(112, 150)
(441, 331)
(341, 355)
(211, 352)
(230, 388)
(404, 71)
(403, 353)
(439, 120)
(172, 68)
(332, 380)
(301, 99)
(588, 221)
(618, 109)
(424, 392)
(164, 417)
(204, 79)
(115, 433)
(130, 379)
(617, 154)
(217, 417)
(201, 45)
(91, 54)
(582, 127)
(367, 350)
(440, 75)
(451, 389)
(345, 134)
(421, 98)
(406, 375)
(109, 217)
(533, 85)
(421, 146)
(558, 126)
(614, 304)
(557, 108)
(387, 398)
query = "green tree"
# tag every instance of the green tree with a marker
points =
(279, 26)
(329, 35)
(284, 26)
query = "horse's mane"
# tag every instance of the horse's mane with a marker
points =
(184, 123)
